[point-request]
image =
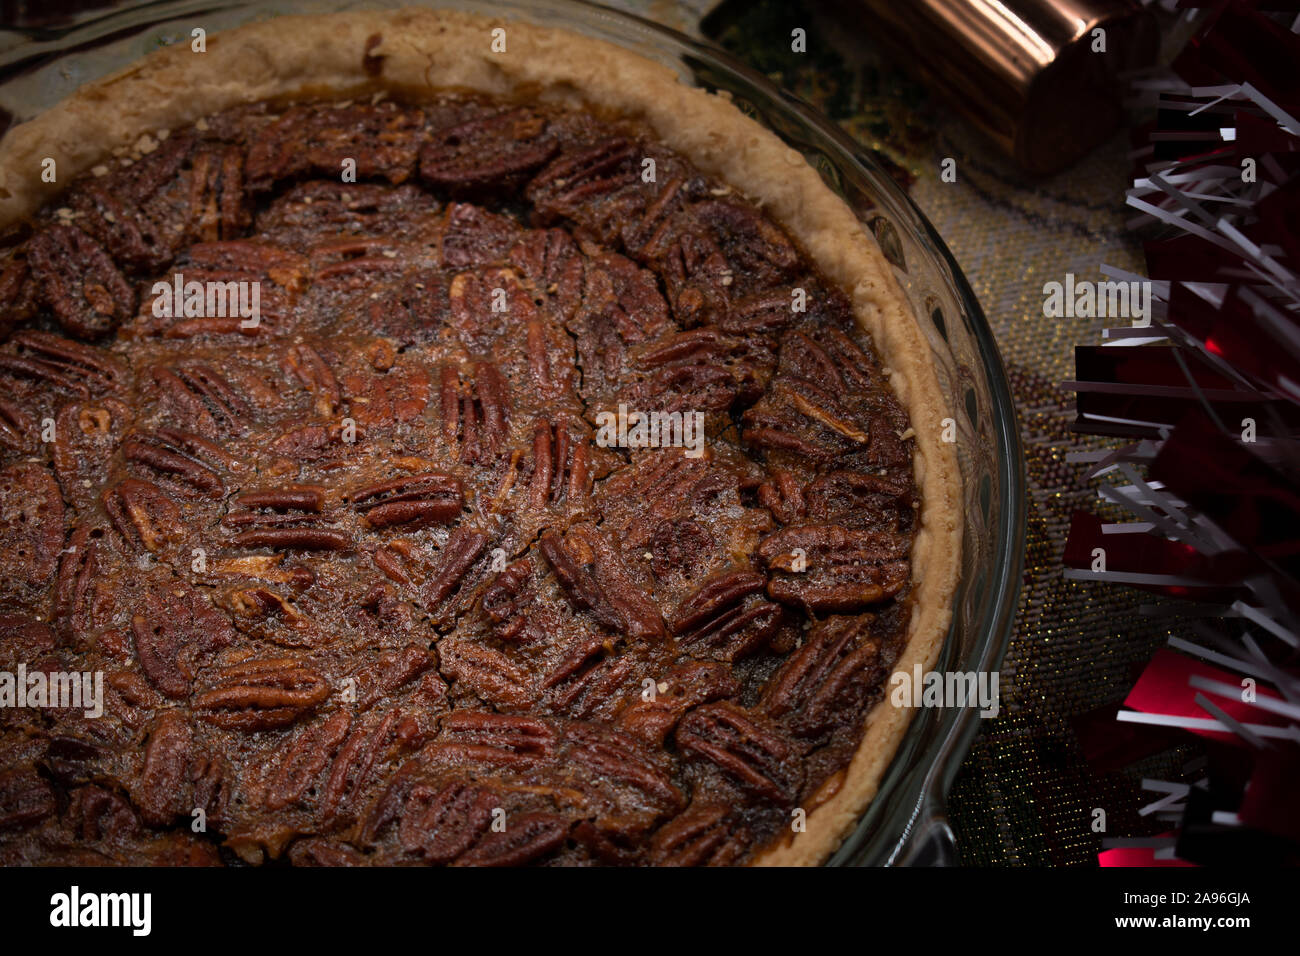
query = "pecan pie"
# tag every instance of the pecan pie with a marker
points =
(378, 570)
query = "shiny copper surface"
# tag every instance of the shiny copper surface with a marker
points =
(1025, 71)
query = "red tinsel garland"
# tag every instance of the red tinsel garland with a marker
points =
(1210, 396)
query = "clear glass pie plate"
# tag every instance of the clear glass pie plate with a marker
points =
(905, 824)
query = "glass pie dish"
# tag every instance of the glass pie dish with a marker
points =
(905, 823)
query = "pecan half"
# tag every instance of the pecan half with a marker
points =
(256, 604)
(249, 259)
(489, 674)
(611, 755)
(17, 291)
(473, 237)
(303, 214)
(756, 757)
(217, 205)
(506, 741)
(507, 602)
(704, 369)
(31, 530)
(74, 587)
(141, 235)
(493, 152)
(280, 276)
(309, 498)
(162, 789)
(620, 308)
(176, 456)
(764, 313)
(381, 139)
(86, 436)
(411, 311)
(474, 416)
(688, 686)
(824, 404)
(284, 519)
(353, 264)
(309, 754)
(177, 628)
(860, 500)
(829, 679)
(759, 253)
(293, 538)
(381, 400)
(726, 618)
(577, 180)
(25, 798)
(829, 569)
(439, 824)
(261, 694)
(412, 502)
(679, 244)
(525, 838)
(783, 495)
(588, 682)
(393, 670)
(79, 282)
(319, 851)
(309, 367)
(561, 466)
(596, 579)
(203, 399)
(18, 431)
(611, 842)
(143, 514)
(552, 263)
(355, 764)
(462, 550)
(706, 834)
(49, 359)
(97, 814)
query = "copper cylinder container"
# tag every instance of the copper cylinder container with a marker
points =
(1025, 71)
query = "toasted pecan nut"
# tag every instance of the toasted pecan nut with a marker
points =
(756, 757)
(494, 152)
(412, 502)
(261, 694)
(80, 283)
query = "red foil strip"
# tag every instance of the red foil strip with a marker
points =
(1151, 385)
(1250, 500)
(1241, 43)
(1165, 688)
(1137, 856)
(1151, 554)
(1269, 803)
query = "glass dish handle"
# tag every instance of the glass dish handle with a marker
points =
(931, 841)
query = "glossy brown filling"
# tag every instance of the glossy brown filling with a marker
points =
(365, 580)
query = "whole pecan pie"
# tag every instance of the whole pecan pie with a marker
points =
(435, 453)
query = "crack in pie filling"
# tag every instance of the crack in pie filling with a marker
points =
(365, 581)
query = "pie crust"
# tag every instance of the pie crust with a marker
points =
(413, 51)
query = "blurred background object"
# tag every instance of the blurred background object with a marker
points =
(1041, 77)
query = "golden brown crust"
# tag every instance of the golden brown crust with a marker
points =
(423, 50)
